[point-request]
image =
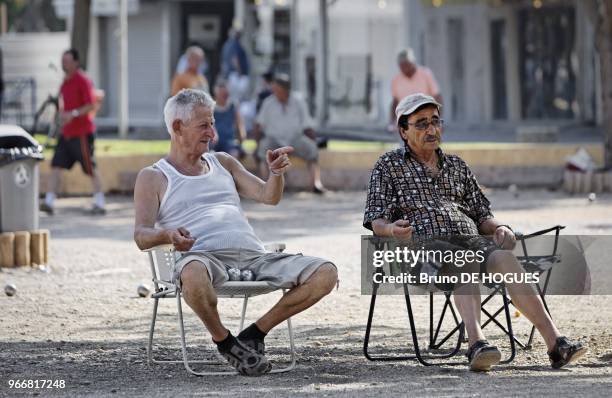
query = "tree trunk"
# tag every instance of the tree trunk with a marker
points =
(79, 38)
(604, 47)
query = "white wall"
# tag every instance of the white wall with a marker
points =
(476, 57)
(30, 54)
(356, 28)
(147, 88)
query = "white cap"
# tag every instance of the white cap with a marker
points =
(410, 104)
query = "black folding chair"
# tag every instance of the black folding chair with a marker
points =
(537, 264)
(434, 344)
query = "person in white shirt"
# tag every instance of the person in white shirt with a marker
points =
(284, 120)
(191, 199)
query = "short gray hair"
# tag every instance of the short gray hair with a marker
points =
(195, 50)
(181, 106)
(406, 54)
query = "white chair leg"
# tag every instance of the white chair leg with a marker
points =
(150, 358)
(186, 361)
(291, 347)
(151, 331)
(243, 315)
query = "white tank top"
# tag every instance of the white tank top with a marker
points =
(208, 206)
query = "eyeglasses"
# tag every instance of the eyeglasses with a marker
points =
(423, 125)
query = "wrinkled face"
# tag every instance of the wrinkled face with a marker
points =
(427, 140)
(69, 65)
(407, 68)
(196, 135)
(281, 93)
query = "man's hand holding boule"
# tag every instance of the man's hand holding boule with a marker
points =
(401, 230)
(278, 160)
(181, 239)
(504, 238)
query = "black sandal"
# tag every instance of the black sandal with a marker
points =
(565, 352)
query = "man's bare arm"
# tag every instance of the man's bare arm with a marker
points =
(147, 196)
(252, 187)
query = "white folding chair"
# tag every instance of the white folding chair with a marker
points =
(162, 259)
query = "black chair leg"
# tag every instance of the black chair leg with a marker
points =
(366, 341)
(415, 340)
(423, 359)
(433, 336)
(509, 324)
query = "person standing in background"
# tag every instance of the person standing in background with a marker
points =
(191, 78)
(412, 79)
(228, 123)
(182, 65)
(76, 143)
(235, 66)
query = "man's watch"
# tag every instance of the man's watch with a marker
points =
(75, 113)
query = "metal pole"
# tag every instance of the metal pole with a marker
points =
(123, 70)
(239, 12)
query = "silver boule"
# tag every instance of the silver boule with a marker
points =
(10, 289)
(234, 274)
(247, 275)
(592, 196)
(143, 290)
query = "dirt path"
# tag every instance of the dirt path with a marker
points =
(83, 323)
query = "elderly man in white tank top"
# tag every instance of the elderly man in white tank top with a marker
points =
(191, 199)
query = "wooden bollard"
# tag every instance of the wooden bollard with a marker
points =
(608, 181)
(7, 249)
(46, 236)
(37, 247)
(569, 181)
(598, 181)
(22, 248)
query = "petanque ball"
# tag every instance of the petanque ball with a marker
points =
(143, 290)
(10, 289)
(592, 197)
(247, 275)
(234, 274)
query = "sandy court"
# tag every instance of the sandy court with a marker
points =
(82, 321)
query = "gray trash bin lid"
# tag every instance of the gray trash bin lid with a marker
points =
(17, 144)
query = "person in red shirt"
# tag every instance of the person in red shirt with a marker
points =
(76, 143)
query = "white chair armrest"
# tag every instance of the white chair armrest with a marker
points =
(275, 247)
(166, 248)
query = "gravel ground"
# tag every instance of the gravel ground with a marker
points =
(83, 323)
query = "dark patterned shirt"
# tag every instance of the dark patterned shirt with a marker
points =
(450, 203)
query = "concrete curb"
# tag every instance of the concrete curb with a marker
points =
(533, 165)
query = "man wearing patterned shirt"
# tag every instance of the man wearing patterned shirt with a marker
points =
(421, 195)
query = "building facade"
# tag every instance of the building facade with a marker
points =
(498, 62)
